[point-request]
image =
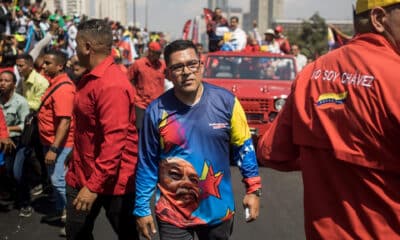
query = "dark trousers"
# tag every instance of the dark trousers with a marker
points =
(119, 209)
(218, 232)
(139, 117)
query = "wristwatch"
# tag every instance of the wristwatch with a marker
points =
(54, 149)
(257, 192)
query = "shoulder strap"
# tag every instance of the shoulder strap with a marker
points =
(51, 92)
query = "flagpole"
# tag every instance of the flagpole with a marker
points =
(134, 13)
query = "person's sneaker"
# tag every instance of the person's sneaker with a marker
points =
(64, 216)
(53, 217)
(63, 232)
(37, 190)
(26, 211)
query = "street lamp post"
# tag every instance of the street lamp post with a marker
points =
(146, 14)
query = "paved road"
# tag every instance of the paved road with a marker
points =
(281, 214)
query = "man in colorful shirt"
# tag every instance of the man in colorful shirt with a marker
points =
(340, 127)
(184, 149)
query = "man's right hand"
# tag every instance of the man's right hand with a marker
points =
(145, 224)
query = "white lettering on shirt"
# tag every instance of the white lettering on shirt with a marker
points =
(352, 79)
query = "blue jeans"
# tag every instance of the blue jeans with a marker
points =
(56, 172)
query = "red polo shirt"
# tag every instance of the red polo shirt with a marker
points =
(59, 104)
(148, 79)
(105, 147)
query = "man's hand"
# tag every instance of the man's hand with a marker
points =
(6, 145)
(84, 200)
(50, 158)
(252, 202)
(144, 223)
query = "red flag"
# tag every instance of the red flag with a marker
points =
(208, 18)
(208, 15)
(195, 31)
(186, 29)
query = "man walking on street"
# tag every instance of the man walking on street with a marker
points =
(342, 131)
(101, 172)
(184, 150)
(32, 86)
(56, 126)
(147, 75)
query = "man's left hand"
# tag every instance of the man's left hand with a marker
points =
(252, 202)
(50, 157)
(84, 200)
(6, 145)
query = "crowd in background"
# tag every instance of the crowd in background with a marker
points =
(38, 53)
(224, 36)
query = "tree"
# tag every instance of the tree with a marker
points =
(313, 36)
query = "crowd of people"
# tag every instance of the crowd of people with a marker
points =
(112, 131)
(224, 36)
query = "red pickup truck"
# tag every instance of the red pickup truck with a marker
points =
(261, 81)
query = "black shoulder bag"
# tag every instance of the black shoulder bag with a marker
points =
(30, 134)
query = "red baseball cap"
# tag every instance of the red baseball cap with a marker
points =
(155, 46)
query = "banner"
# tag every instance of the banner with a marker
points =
(195, 31)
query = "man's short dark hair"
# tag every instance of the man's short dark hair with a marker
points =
(14, 78)
(28, 58)
(236, 18)
(178, 45)
(98, 31)
(60, 57)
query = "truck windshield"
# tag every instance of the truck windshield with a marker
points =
(250, 67)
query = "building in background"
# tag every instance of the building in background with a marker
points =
(69, 7)
(223, 4)
(115, 10)
(295, 25)
(264, 12)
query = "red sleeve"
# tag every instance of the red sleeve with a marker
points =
(132, 71)
(113, 111)
(3, 126)
(276, 149)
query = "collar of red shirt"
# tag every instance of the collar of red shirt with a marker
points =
(99, 70)
(376, 39)
(58, 78)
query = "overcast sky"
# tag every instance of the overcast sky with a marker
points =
(170, 15)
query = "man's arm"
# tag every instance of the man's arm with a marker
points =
(22, 112)
(61, 134)
(132, 74)
(245, 157)
(147, 174)
(276, 148)
(6, 144)
(37, 92)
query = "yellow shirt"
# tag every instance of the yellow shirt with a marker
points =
(33, 88)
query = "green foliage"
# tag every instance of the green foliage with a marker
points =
(312, 37)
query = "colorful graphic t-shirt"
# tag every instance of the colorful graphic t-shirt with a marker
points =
(185, 151)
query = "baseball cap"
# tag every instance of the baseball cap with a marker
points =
(155, 47)
(279, 29)
(364, 5)
(269, 31)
